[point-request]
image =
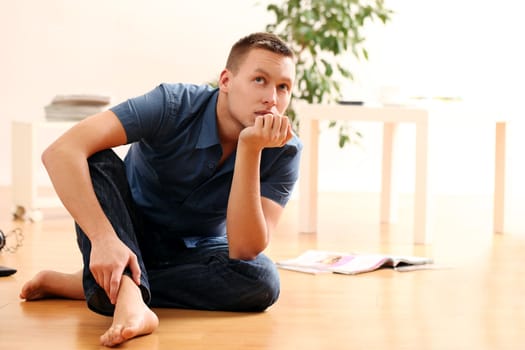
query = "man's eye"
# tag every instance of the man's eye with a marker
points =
(284, 87)
(259, 80)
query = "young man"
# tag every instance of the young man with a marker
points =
(183, 221)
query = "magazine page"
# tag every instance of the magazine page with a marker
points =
(402, 260)
(362, 263)
(315, 261)
(318, 261)
(370, 262)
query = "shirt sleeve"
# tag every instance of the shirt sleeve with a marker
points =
(143, 116)
(279, 176)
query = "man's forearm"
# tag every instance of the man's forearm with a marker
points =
(245, 222)
(70, 176)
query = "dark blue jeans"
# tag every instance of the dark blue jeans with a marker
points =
(173, 275)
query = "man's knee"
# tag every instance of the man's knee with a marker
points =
(104, 156)
(262, 287)
(269, 290)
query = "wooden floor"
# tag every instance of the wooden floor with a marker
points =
(476, 301)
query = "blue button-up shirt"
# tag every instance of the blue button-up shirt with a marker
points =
(172, 162)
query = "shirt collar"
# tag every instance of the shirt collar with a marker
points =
(209, 135)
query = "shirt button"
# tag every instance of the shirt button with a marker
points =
(211, 165)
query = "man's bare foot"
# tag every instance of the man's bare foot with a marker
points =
(53, 284)
(132, 317)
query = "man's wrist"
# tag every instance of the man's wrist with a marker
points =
(249, 147)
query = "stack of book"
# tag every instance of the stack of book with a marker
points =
(75, 107)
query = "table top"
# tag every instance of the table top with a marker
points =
(446, 112)
(361, 113)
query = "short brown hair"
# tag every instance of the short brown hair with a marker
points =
(265, 41)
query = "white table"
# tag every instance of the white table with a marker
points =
(310, 115)
(391, 117)
(26, 161)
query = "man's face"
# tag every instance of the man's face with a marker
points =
(262, 85)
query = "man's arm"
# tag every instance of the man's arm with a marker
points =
(250, 218)
(66, 163)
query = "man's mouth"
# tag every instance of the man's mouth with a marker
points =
(263, 113)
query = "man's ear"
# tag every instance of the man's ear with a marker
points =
(224, 80)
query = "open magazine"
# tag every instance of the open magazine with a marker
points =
(318, 261)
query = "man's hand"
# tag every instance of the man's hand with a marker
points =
(109, 258)
(268, 131)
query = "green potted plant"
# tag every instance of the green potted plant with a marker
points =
(321, 33)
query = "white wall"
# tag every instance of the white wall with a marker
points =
(117, 47)
(125, 47)
(467, 48)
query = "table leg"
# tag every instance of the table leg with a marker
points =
(421, 229)
(309, 134)
(499, 178)
(23, 166)
(389, 197)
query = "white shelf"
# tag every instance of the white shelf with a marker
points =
(26, 152)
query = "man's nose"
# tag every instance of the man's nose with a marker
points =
(270, 97)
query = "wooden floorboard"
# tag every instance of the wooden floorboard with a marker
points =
(476, 301)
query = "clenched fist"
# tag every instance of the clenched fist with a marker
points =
(268, 131)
